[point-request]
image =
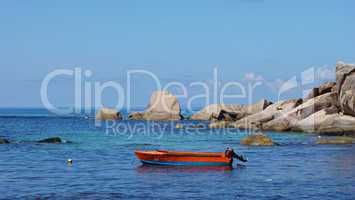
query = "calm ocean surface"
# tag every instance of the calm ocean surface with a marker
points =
(105, 166)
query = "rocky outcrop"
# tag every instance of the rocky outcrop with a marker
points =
(320, 112)
(255, 121)
(213, 111)
(272, 112)
(257, 140)
(328, 108)
(162, 106)
(345, 83)
(288, 119)
(4, 141)
(52, 140)
(320, 90)
(108, 114)
(336, 140)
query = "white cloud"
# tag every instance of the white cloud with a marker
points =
(253, 77)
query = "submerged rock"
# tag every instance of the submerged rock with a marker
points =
(257, 140)
(345, 83)
(108, 114)
(52, 140)
(4, 141)
(336, 140)
(213, 111)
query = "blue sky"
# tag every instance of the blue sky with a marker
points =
(177, 40)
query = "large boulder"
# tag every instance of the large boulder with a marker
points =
(257, 140)
(271, 112)
(4, 141)
(327, 121)
(313, 122)
(288, 119)
(213, 111)
(162, 106)
(108, 114)
(337, 124)
(320, 90)
(345, 83)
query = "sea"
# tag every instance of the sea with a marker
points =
(104, 165)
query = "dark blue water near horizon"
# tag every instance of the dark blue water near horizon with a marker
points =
(105, 167)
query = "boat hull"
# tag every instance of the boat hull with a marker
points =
(173, 158)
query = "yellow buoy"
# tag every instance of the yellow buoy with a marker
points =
(70, 162)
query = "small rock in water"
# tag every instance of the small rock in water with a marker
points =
(4, 141)
(336, 140)
(51, 140)
(257, 140)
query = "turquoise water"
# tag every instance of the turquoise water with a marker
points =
(104, 165)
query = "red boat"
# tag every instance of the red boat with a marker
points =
(177, 158)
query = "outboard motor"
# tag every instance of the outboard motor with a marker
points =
(231, 154)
